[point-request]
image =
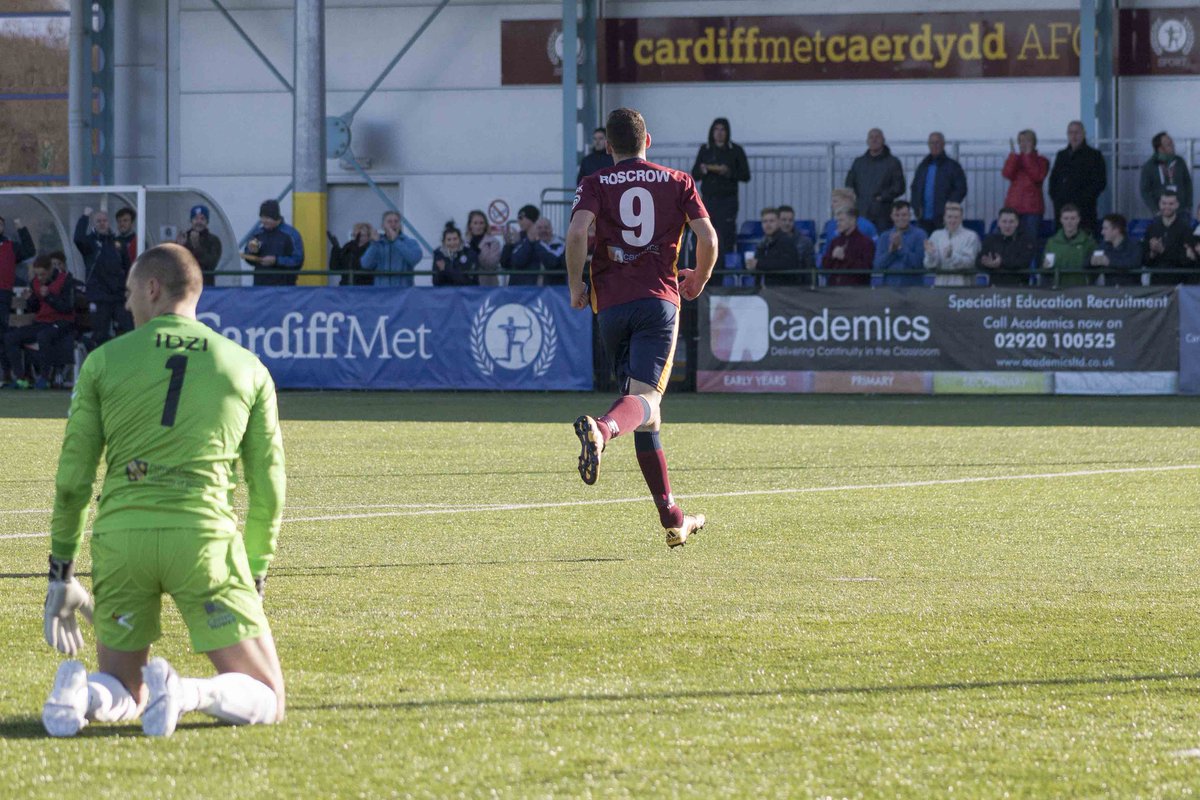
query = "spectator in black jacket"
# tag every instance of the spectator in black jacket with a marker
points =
(1078, 177)
(201, 243)
(453, 264)
(1165, 247)
(720, 166)
(127, 232)
(1121, 258)
(598, 158)
(877, 178)
(107, 263)
(549, 250)
(776, 253)
(274, 245)
(347, 258)
(805, 250)
(1007, 253)
(939, 179)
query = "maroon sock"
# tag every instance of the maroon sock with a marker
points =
(627, 414)
(654, 469)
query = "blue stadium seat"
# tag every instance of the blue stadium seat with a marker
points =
(982, 279)
(1138, 227)
(751, 229)
(808, 227)
(976, 225)
(734, 261)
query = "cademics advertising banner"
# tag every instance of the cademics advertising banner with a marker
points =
(365, 337)
(1189, 339)
(850, 339)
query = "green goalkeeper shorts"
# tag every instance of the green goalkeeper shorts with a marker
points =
(205, 572)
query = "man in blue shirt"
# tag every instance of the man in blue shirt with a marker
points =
(900, 252)
(392, 252)
(274, 245)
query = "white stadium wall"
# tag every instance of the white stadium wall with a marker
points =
(197, 107)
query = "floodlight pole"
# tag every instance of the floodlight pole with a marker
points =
(310, 203)
(78, 146)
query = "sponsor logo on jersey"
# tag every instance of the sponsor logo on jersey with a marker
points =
(619, 255)
(514, 336)
(123, 621)
(136, 470)
(218, 615)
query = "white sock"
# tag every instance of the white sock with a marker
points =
(108, 699)
(231, 697)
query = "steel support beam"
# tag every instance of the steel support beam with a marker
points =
(589, 70)
(250, 42)
(349, 115)
(570, 91)
(310, 204)
(78, 141)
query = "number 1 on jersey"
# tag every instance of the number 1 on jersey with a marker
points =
(642, 220)
(178, 366)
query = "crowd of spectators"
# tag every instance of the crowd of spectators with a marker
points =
(882, 231)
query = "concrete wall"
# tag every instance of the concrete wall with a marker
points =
(449, 137)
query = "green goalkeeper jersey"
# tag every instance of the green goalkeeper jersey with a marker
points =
(174, 405)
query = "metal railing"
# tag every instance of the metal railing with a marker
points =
(802, 174)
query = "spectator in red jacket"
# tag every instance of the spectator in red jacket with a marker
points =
(1027, 170)
(52, 302)
(851, 249)
(127, 232)
(11, 254)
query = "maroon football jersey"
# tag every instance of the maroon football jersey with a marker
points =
(641, 210)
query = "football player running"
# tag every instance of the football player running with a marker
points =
(640, 211)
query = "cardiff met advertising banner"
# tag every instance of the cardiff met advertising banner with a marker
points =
(365, 337)
(1085, 340)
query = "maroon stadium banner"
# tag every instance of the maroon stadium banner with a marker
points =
(1159, 41)
(984, 44)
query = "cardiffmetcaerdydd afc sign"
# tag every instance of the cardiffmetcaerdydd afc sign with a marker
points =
(424, 338)
(1077, 341)
(812, 47)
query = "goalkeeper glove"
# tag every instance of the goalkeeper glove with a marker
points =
(64, 597)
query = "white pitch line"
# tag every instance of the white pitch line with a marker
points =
(854, 487)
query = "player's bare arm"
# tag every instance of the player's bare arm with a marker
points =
(694, 280)
(577, 242)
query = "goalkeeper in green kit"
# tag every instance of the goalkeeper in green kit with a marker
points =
(173, 406)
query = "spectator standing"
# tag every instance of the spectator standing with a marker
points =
(549, 251)
(453, 264)
(201, 243)
(1069, 250)
(597, 158)
(127, 232)
(1121, 258)
(1079, 176)
(776, 253)
(274, 245)
(951, 252)
(805, 250)
(486, 247)
(1026, 170)
(347, 258)
(720, 166)
(392, 251)
(1007, 253)
(838, 198)
(900, 251)
(518, 255)
(850, 250)
(877, 178)
(1165, 247)
(51, 300)
(107, 263)
(11, 254)
(1165, 172)
(939, 179)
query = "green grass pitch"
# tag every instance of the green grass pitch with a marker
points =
(458, 616)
